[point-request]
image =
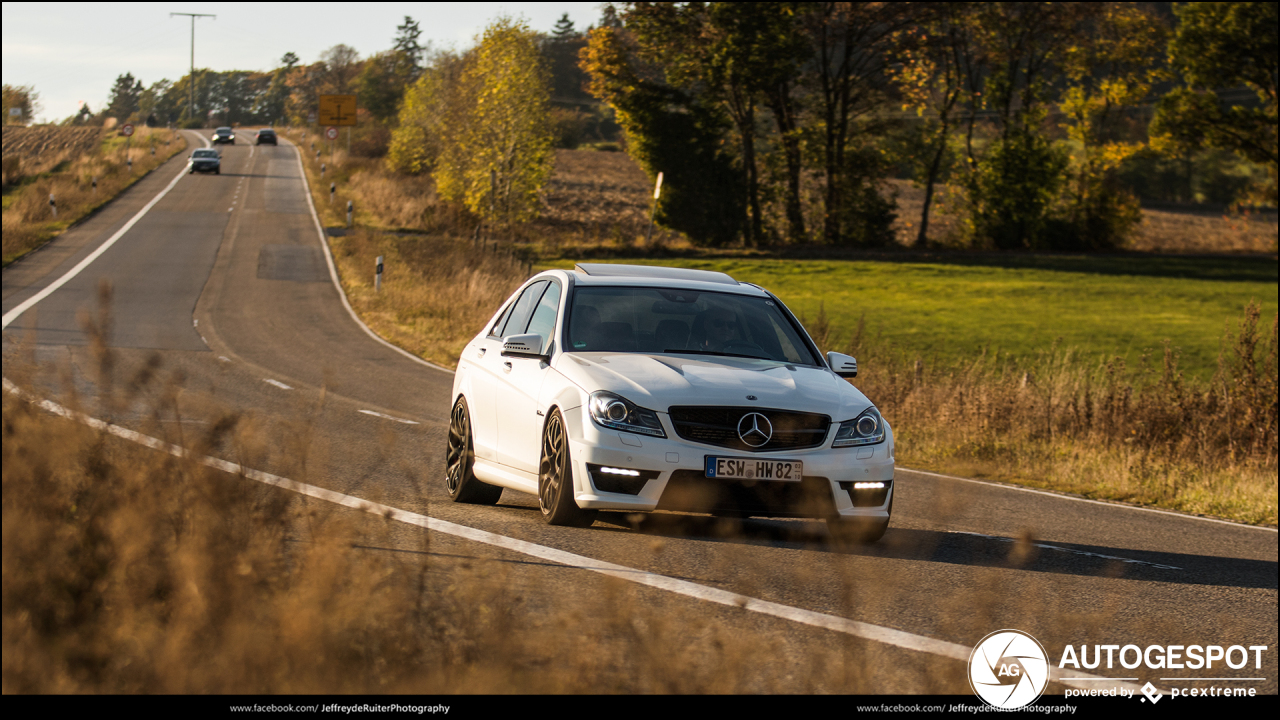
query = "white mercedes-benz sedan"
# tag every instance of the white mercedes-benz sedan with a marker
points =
(636, 388)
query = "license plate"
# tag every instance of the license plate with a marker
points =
(730, 468)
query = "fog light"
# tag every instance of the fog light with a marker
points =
(620, 471)
(868, 486)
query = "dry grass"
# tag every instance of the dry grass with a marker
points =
(437, 292)
(67, 169)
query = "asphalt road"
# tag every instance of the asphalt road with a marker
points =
(223, 286)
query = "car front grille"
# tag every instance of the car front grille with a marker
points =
(719, 426)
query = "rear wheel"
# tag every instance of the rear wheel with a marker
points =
(555, 479)
(459, 480)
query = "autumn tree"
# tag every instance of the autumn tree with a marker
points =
(479, 122)
(25, 99)
(1112, 66)
(939, 78)
(668, 130)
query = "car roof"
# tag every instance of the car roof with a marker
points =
(610, 274)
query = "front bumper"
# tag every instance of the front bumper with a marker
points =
(673, 475)
(206, 167)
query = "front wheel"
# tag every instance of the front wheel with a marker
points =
(858, 532)
(460, 482)
(555, 479)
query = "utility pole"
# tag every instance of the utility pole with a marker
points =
(191, 109)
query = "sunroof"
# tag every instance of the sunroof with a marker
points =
(651, 271)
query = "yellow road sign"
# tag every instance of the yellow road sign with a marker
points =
(337, 110)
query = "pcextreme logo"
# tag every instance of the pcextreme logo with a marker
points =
(1008, 669)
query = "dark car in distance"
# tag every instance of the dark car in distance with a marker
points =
(266, 136)
(205, 160)
(223, 135)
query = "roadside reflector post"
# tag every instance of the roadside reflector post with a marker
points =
(377, 276)
(350, 208)
(333, 187)
(95, 186)
(317, 156)
(322, 168)
(657, 192)
(53, 205)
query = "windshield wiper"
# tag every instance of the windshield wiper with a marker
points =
(712, 352)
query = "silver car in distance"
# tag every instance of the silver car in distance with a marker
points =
(636, 388)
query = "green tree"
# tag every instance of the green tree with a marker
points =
(1011, 188)
(502, 157)
(1216, 47)
(406, 46)
(124, 97)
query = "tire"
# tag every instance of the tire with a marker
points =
(218, 171)
(555, 478)
(459, 481)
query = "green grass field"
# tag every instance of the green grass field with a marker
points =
(945, 309)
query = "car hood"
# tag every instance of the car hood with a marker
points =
(660, 381)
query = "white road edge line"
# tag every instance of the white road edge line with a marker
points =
(855, 628)
(388, 417)
(13, 314)
(333, 270)
(1077, 498)
(277, 383)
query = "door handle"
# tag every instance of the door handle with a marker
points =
(506, 366)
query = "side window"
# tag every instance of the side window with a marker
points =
(523, 309)
(502, 320)
(544, 317)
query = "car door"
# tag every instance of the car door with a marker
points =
(488, 375)
(520, 418)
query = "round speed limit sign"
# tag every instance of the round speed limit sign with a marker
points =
(126, 130)
(331, 133)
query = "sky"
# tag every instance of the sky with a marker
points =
(73, 52)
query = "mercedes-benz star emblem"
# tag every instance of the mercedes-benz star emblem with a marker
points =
(755, 429)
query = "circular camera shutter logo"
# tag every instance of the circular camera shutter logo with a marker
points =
(755, 429)
(1009, 669)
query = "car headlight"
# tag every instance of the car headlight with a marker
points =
(616, 412)
(866, 429)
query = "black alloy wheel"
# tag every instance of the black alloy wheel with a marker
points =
(459, 480)
(555, 479)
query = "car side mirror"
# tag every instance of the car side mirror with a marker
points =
(529, 345)
(843, 365)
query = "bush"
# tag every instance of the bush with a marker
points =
(1011, 191)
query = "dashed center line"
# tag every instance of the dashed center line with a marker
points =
(388, 417)
(1071, 551)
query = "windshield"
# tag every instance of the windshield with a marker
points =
(660, 320)
(206, 153)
